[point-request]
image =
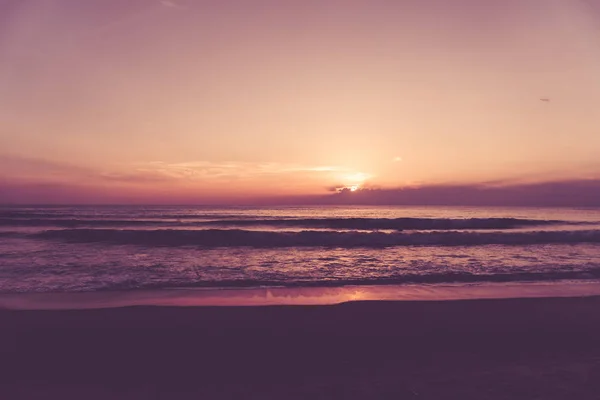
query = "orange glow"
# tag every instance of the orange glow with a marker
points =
(223, 100)
(291, 296)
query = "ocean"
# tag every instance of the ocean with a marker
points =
(126, 248)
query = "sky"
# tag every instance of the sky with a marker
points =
(209, 102)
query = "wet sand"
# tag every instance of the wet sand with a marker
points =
(547, 348)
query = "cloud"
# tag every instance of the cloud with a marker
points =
(33, 178)
(51, 193)
(135, 177)
(397, 159)
(25, 179)
(22, 168)
(16, 166)
(570, 193)
(202, 170)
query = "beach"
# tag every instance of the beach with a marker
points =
(299, 303)
(470, 349)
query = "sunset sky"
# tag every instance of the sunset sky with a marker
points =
(223, 101)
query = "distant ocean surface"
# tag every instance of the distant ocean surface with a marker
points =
(73, 249)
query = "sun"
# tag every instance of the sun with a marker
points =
(356, 178)
(354, 181)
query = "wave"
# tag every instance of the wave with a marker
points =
(591, 274)
(73, 223)
(322, 223)
(22, 216)
(393, 223)
(271, 239)
(411, 279)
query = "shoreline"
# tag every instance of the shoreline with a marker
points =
(300, 296)
(470, 349)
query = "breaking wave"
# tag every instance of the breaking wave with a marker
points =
(393, 223)
(271, 239)
(439, 278)
(321, 223)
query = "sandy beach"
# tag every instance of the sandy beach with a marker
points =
(477, 349)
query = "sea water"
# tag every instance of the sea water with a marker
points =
(122, 248)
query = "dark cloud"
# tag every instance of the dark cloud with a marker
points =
(577, 193)
(30, 180)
